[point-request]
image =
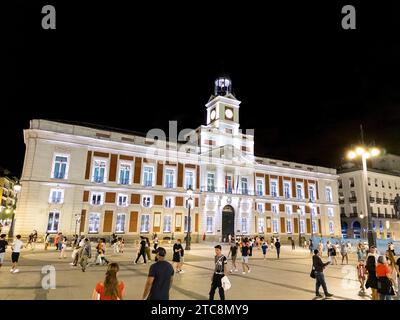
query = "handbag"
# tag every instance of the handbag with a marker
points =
(226, 284)
(312, 273)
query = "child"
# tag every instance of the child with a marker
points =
(361, 271)
(264, 248)
(63, 247)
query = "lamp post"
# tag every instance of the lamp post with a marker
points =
(299, 212)
(309, 204)
(189, 193)
(17, 189)
(366, 154)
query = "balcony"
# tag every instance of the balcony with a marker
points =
(353, 215)
(341, 201)
(385, 201)
(371, 199)
(124, 181)
(374, 214)
(392, 202)
(378, 200)
(352, 199)
(169, 185)
(343, 215)
(381, 215)
(98, 179)
(352, 185)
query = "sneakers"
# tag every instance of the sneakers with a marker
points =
(248, 271)
(181, 271)
(230, 271)
(319, 295)
(16, 271)
(328, 295)
(243, 272)
(11, 270)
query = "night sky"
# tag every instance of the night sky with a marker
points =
(304, 82)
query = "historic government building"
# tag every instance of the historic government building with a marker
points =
(84, 179)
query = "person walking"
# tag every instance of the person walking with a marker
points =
(63, 248)
(233, 253)
(359, 251)
(384, 276)
(394, 270)
(311, 246)
(147, 249)
(103, 252)
(278, 248)
(332, 253)
(111, 288)
(155, 242)
(75, 256)
(16, 250)
(293, 244)
(318, 267)
(176, 257)
(245, 257)
(56, 240)
(361, 273)
(372, 280)
(30, 240)
(46, 240)
(3, 248)
(219, 272)
(142, 251)
(85, 254)
(159, 279)
(344, 253)
(264, 248)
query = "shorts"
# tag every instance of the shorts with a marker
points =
(2, 257)
(245, 259)
(14, 257)
(234, 259)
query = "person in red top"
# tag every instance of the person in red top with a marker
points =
(383, 274)
(111, 288)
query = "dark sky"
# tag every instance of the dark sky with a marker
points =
(304, 82)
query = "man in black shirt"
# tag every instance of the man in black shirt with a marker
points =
(318, 267)
(278, 248)
(159, 280)
(219, 272)
(142, 251)
(3, 247)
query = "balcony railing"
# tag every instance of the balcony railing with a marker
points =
(385, 201)
(374, 214)
(343, 215)
(351, 185)
(98, 179)
(391, 202)
(169, 185)
(341, 201)
(124, 181)
(353, 199)
(371, 199)
(378, 200)
(381, 215)
(353, 215)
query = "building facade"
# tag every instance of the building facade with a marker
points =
(8, 199)
(383, 187)
(95, 181)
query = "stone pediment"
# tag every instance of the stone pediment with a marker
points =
(229, 152)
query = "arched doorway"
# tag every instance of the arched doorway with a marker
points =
(228, 222)
(344, 230)
(356, 230)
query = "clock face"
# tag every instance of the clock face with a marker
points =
(212, 115)
(228, 113)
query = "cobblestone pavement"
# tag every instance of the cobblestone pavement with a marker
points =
(271, 279)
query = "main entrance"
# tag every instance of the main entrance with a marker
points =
(228, 222)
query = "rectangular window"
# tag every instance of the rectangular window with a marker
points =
(209, 224)
(275, 208)
(286, 189)
(53, 221)
(228, 184)
(302, 226)
(146, 201)
(330, 212)
(328, 194)
(299, 190)
(259, 187)
(274, 188)
(99, 171)
(120, 224)
(56, 196)
(167, 223)
(288, 209)
(97, 198)
(122, 200)
(210, 182)
(275, 225)
(169, 178)
(311, 192)
(124, 174)
(244, 225)
(169, 202)
(189, 179)
(60, 167)
(351, 182)
(261, 225)
(94, 222)
(331, 227)
(145, 223)
(243, 183)
(354, 209)
(289, 226)
(314, 227)
(148, 173)
(260, 207)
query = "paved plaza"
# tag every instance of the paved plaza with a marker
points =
(271, 279)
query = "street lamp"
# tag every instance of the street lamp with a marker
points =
(17, 189)
(299, 212)
(365, 154)
(309, 204)
(189, 202)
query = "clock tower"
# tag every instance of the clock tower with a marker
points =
(223, 108)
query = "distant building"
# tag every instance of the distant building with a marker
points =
(98, 181)
(7, 201)
(383, 187)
